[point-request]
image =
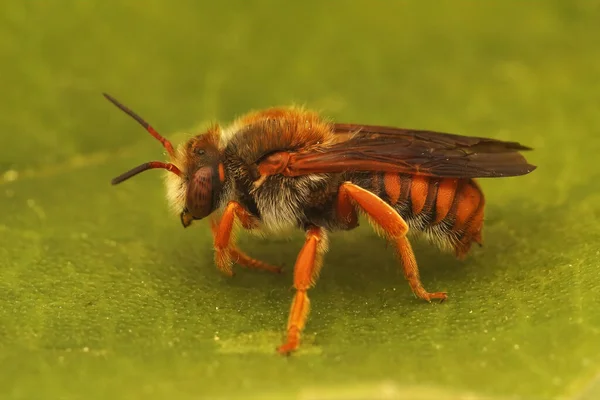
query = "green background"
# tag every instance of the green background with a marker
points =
(104, 295)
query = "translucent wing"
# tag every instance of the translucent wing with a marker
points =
(378, 148)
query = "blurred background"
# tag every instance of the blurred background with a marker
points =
(105, 295)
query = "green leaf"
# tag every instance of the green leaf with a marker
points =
(104, 295)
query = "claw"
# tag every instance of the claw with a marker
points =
(441, 296)
(287, 349)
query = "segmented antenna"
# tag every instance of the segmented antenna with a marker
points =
(166, 144)
(149, 165)
(144, 167)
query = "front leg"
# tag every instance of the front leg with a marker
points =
(226, 253)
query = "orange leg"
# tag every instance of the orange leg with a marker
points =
(306, 271)
(395, 228)
(226, 253)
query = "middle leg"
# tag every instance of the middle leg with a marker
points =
(306, 271)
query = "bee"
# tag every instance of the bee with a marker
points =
(281, 169)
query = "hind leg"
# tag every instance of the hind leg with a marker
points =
(394, 227)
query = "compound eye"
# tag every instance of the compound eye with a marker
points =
(200, 193)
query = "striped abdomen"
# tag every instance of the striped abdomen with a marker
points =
(447, 210)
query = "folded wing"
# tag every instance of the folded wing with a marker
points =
(377, 148)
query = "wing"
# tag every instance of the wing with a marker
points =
(378, 148)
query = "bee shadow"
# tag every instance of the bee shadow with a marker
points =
(362, 262)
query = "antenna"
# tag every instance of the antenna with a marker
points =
(166, 144)
(152, 164)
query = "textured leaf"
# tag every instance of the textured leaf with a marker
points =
(104, 295)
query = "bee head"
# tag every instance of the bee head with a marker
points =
(204, 177)
(196, 175)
